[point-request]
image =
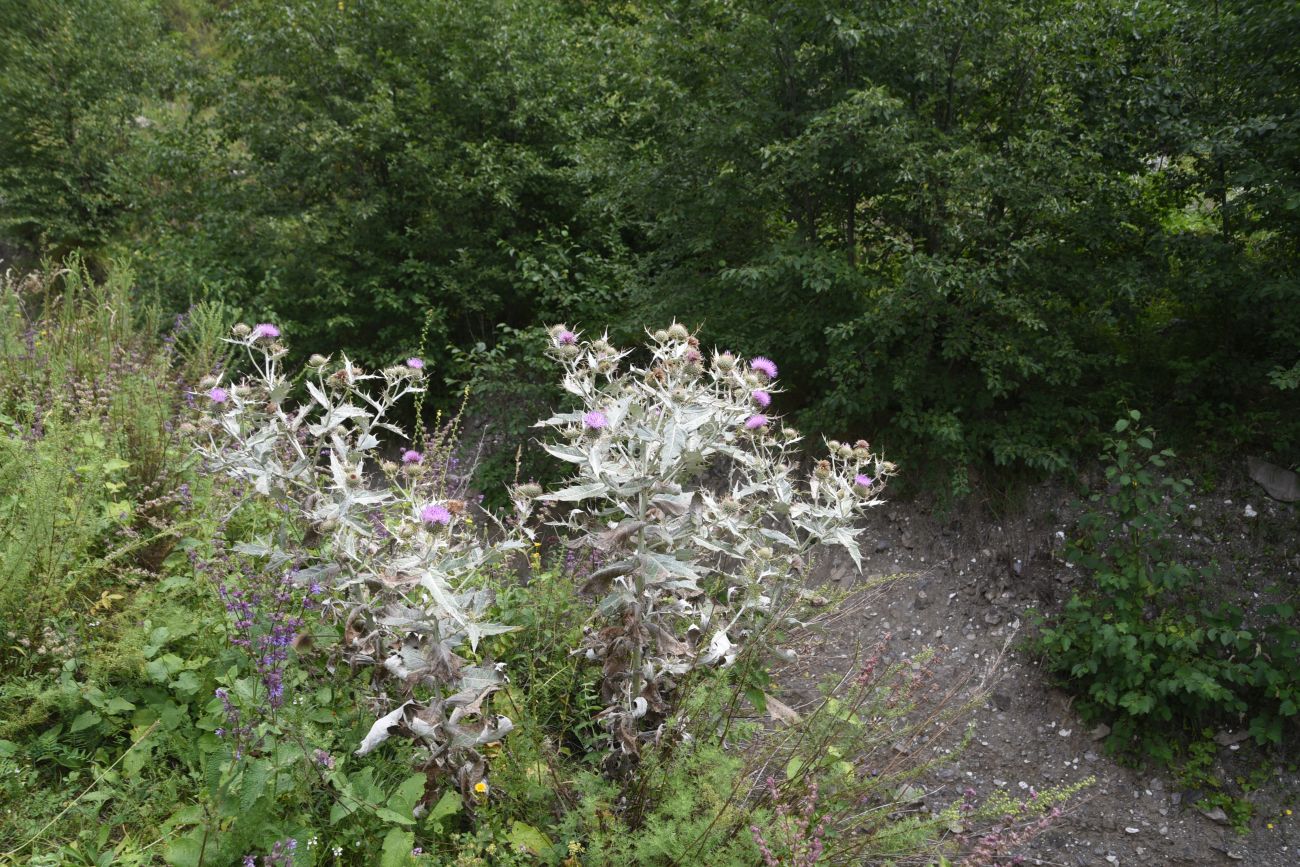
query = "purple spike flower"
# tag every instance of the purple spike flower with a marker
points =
(566, 338)
(756, 421)
(761, 397)
(411, 456)
(218, 395)
(264, 329)
(415, 363)
(595, 420)
(862, 482)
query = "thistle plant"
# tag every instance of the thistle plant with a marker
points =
(389, 555)
(686, 485)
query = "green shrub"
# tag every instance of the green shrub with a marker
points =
(1151, 643)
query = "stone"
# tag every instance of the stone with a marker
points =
(923, 600)
(1280, 484)
(1100, 732)
(1216, 815)
(1227, 739)
(1001, 699)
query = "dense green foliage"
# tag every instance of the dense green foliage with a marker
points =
(1149, 645)
(970, 227)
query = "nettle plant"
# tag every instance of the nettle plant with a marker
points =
(393, 557)
(689, 489)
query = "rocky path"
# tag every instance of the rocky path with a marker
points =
(967, 587)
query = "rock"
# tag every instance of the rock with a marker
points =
(909, 794)
(882, 546)
(1101, 732)
(1280, 484)
(923, 600)
(1090, 757)
(1001, 699)
(1227, 739)
(1216, 815)
(1131, 830)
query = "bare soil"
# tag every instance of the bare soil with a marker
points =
(967, 584)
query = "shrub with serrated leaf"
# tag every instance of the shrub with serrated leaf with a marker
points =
(1150, 644)
(395, 555)
(694, 569)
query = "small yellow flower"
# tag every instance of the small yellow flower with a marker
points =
(1288, 812)
(481, 787)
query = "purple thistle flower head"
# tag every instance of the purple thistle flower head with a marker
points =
(218, 395)
(763, 365)
(756, 421)
(415, 363)
(411, 456)
(566, 338)
(595, 420)
(761, 397)
(264, 329)
(863, 482)
(435, 514)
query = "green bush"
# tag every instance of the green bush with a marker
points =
(1151, 643)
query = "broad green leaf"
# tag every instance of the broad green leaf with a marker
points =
(448, 805)
(530, 839)
(397, 848)
(84, 721)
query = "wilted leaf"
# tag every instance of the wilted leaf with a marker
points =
(781, 712)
